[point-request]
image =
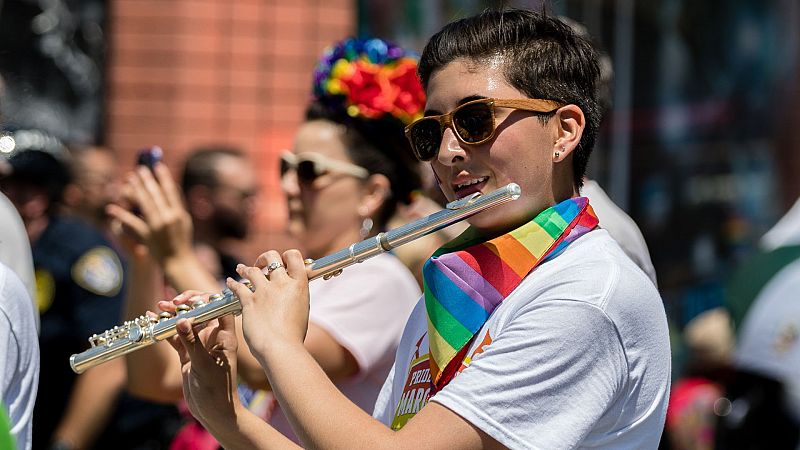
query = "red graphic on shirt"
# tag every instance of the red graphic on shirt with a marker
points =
(479, 349)
(416, 389)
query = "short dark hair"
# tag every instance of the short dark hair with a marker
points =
(78, 151)
(543, 58)
(200, 167)
(41, 169)
(378, 145)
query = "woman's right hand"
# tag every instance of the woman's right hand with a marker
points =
(164, 225)
(208, 364)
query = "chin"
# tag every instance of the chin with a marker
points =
(486, 220)
(296, 229)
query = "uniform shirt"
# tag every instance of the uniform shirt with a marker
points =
(577, 356)
(79, 284)
(80, 287)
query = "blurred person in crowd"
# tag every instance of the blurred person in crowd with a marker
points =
(220, 188)
(19, 357)
(95, 184)
(763, 393)
(79, 281)
(572, 352)
(691, 419)
(15, 249)
(349, 168)
(178, 236)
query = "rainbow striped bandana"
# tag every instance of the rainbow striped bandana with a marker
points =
(467, 278)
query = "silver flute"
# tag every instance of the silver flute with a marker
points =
(144, 330)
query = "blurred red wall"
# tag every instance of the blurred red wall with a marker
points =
(184, 73)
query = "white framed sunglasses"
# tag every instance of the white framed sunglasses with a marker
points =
(310, 166)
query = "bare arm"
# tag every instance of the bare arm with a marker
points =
(93, 398)
(153, 372)
(275, 320)
(165, 227)
(335, 360)
(160, 238)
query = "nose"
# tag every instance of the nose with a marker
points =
(289, 184)
(450, 150)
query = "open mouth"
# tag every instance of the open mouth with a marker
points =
(469, 187)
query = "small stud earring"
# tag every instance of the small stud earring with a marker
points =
(557, 154)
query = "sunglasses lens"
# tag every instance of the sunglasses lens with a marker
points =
(285, 166)
(474, 122)
(307, 171)
(426, 136)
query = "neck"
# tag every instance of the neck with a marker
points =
(343, 240)
(517, 218)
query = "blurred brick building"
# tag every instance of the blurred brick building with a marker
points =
(184, 73)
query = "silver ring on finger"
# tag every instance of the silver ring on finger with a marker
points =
(272, 266)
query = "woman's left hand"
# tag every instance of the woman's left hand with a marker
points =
(276, 313)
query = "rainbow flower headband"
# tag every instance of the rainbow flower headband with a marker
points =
(369, 79)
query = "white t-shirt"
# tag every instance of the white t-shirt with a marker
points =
(577, 356)
(15, 249)
(364, 309)
(620, 226)
(19, 355)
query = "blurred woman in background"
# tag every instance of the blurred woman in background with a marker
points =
(349, 168)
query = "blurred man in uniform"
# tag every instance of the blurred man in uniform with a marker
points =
(79, 284)
(95, 184)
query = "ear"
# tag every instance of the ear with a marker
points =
(375, 190)
(571, 123)
(198, 202)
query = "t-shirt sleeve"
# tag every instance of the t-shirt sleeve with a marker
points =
(383, 409)
(546, 378)
(365, 311)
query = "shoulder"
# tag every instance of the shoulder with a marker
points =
(14, 301)
(594, 276)
(67, 234)
(84, 253)
(592, 270)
